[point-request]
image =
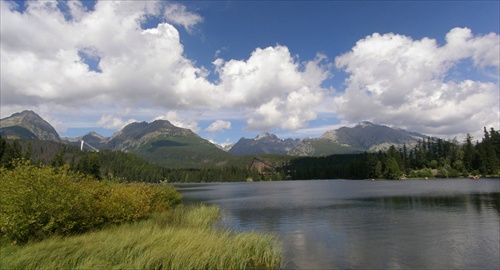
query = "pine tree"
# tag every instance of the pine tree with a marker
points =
(487, 154)
(469, 154)
(3, 149)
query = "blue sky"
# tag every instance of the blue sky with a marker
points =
(232, 69)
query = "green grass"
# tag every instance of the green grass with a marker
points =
(183, 238)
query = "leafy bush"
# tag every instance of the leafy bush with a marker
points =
(424, 172)
(37, 202)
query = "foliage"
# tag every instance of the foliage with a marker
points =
(40, 201)
(429, 158)
(188, 241)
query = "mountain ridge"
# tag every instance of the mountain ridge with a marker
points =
(365, 136)
(163, 143)
(265, 143)
(31, 122)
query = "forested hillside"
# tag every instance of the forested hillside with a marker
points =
(119, 166)
(429, 158)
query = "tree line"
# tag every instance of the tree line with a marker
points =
(430, 157)
(115, 165)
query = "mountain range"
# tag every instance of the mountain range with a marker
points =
(365, 136)
(162, 143)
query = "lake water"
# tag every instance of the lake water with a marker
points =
(337, 224)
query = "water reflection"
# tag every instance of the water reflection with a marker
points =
(365, 224)
(479, 201)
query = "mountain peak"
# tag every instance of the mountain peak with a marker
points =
(24, 113)
(266, 135)
(265, 143)
(94, 134)
(162, 122)
(23, 116)
(31, 122)
(370, 137)
(365, 124)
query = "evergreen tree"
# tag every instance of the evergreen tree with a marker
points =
(392, 170)
(469, 154)
(11, 152)
(28, 151)
(58, 160)
(89, 165)
(3, 149)
(487, 155)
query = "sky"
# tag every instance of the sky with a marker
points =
(232, 69)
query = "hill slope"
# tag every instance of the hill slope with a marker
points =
(27, 125)
(371, 137)
(164, 144)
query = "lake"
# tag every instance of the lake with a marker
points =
(346, 224)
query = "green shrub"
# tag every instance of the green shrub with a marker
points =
(424, 172)
(37, 202)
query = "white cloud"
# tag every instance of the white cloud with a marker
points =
(41, 63)
(218, 126)
(483, 50)
(178, 14)
(112, 122)
(179, 121)
(390, 76)
(313, 132)
(41, 59)
(272, 82)
(396, 80)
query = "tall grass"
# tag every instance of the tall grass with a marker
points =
(183, 238)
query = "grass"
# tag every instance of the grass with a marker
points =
(183, 238)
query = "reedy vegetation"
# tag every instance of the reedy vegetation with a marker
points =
(183, 238)
(54, 218)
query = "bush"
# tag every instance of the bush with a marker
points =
(424, 172)
(37, 202)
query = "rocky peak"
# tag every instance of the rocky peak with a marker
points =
(33, 123)
(265, 143)
(329, 135)
(266, 136)
(94, 134)
(364, 124)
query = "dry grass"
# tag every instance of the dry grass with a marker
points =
(183, 238)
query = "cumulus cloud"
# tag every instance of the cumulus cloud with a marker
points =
(178, 14)
(42, 58)
(180, 121)
(219, 125)
(47, 56)
(394, 79)
(109, 121)
(282, 91)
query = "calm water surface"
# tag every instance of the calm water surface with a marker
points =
(325, 224)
